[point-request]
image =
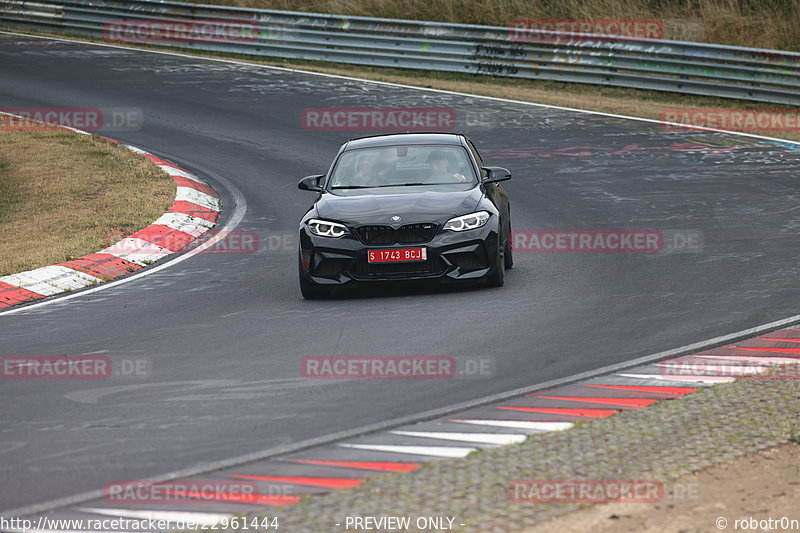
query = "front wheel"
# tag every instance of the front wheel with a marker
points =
(497, 277)
(508, 253)
(309, 289)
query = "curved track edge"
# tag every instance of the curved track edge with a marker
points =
(194, 212)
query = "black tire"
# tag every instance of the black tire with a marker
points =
(497, 277)
(309, 289)
(508, 253)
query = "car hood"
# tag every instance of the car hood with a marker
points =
(411, 207)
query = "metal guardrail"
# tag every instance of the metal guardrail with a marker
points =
(677, 66)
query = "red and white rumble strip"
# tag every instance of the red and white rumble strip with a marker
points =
(194, 212)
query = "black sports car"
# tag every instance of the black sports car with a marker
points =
(408, 206)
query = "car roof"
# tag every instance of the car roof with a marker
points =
(394, 139)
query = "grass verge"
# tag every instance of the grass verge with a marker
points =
(64, 195)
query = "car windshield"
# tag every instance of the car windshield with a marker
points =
(403, 166)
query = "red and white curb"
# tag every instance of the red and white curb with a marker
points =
(281, 481)
(195, 211)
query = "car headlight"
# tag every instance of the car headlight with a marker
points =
(466, 222)
(325, 228)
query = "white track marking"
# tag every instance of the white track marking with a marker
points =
(713, 368)
(194, 226)
(137, 251)
(50, 280)
(172, 171)
(187, 194)
(483, 438)
(76, 130)
(752, 359)
(517, 424)
(683, 379)
(434, 451)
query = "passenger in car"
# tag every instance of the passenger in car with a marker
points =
(440, 168)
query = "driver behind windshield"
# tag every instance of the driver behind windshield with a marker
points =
(375, 169)
(367, 174)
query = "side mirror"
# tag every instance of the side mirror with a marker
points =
(311, 183)
(494, 174)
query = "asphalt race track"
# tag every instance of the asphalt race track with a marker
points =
(224, 333)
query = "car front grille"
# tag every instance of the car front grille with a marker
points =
(432, 266)
(408, 234)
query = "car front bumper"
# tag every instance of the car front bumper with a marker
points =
(451, 257)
